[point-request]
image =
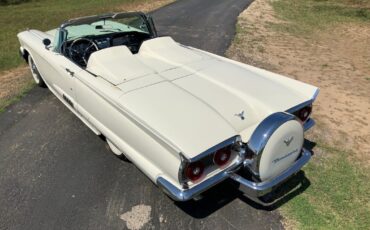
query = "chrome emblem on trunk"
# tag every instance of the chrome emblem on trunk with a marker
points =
(288, 140)
(241, 115)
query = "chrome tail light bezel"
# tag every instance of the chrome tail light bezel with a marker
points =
(234, 141)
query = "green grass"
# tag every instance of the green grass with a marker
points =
(5, 102)
(339, 195)
(305, 16)
(43, 15)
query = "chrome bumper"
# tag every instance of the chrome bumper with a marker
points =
(250, 188)
(257, 189)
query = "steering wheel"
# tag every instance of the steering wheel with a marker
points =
(81, 49)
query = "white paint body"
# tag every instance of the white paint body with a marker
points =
(165, 100)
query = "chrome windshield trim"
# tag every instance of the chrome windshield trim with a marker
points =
(94, 18)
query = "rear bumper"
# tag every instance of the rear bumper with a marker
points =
(187, 194)
(250, 188)
(257, 189)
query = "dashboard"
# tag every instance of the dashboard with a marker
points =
(79, 50)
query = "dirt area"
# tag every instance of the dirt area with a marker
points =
(12, 83)
(11, 80)
(336, 60)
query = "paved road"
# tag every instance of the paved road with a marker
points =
(56, 174)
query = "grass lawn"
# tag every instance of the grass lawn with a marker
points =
(45, 15)
(305, 16)
(338, 197)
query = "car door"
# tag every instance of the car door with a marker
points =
(64, 86)
(58, 73)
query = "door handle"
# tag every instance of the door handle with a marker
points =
(70, 72)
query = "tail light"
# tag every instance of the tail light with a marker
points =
(222, 157)
(194, 171)
(304, 113)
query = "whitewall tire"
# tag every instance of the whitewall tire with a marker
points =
(35, 73)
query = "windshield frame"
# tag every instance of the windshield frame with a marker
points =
(62, 32)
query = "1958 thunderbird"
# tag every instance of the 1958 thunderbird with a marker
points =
(187, 118)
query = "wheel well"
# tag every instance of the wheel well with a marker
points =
(25, 55)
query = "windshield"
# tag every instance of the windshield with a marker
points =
(127, 23)
(104, 24)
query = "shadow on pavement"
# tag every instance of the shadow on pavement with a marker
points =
(227, 191)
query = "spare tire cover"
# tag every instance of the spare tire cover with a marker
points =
(281, 150)
(276, 143)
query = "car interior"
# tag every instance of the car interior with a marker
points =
(81, 37)
(80, 49)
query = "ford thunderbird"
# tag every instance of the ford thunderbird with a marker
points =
(187, 118)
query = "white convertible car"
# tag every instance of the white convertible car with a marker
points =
(187, 118)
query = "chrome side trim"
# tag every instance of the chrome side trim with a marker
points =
(260, 137)
(256, 189)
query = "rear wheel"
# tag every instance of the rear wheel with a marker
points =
(35, 72)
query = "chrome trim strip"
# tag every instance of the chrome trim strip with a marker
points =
(261, 135)
(315, 94)
(251, 188)
(299, 106)
(308, 124)
(255, 189)
(304, 104)
(213, 149)
(181, 177)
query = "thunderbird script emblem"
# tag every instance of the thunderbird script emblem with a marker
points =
(288, 140)
(241, 115)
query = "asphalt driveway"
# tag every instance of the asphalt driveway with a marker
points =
(56, 174)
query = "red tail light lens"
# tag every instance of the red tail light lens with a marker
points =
(194, 171)
(222, 156)
(304, 113)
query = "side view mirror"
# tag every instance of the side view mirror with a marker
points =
(46, 42)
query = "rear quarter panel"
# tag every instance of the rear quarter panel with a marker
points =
(95, 98)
